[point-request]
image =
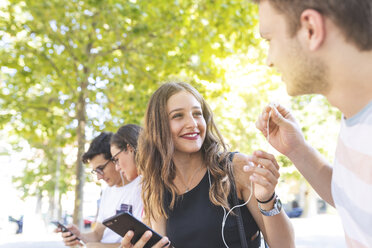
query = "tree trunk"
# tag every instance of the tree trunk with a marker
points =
(56, 196)
(38, 202)
(81, 117)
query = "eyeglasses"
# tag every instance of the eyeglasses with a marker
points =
(114, 158)
(100, 168)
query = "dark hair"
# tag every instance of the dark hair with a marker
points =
(126, 135)
(353, 18)
(99, 145)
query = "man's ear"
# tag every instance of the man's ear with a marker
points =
(313, 30)
(130, 148)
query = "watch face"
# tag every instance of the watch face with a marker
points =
(276, 209)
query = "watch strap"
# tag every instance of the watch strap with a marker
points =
(275, 210)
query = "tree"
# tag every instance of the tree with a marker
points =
(74, 66)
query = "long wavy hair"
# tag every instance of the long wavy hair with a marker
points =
(156, 148)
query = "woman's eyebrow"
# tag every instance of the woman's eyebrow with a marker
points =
(179, 109)
(175, 110)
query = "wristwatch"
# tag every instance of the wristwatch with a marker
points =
(276, 209)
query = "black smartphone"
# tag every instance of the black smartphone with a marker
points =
(124, 222)
(63, 228)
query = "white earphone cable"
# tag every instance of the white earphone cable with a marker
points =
(251, 193)
(122, 178)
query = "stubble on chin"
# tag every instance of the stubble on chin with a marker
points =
(309, 76)
(305, 74)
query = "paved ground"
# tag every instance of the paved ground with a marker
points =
(20, 241)
(46, 244)
(321, 231)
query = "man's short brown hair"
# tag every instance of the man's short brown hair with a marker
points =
(353, 17)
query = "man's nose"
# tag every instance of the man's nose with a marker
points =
(269, 62)
(269, 58)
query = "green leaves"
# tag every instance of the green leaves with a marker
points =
(111, 55)
(106, 58)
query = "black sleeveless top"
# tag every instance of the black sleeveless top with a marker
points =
(196, 223)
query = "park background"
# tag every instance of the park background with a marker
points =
(70, 69)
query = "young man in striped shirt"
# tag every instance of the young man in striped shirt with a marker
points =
(325, 47)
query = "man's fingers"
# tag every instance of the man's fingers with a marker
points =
(282, 110)
(277, 117)
(261, 123)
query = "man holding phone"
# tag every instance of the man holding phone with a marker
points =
(113, 199)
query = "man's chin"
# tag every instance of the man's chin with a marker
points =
(296, 92)
(293, 94)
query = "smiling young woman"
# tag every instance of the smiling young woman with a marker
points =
(190, 178)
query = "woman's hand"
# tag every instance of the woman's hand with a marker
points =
(264, 173)
(125, 243)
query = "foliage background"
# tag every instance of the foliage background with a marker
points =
(70, 69)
